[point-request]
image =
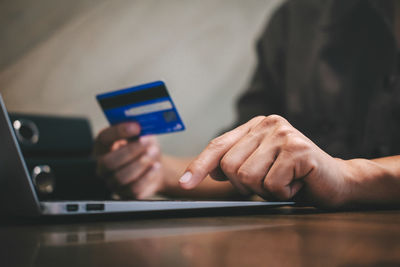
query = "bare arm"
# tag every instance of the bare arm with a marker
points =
(269, 157)
(374, 181)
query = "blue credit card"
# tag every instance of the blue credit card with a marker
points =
(148, 104)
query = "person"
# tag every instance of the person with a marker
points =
(318, 123)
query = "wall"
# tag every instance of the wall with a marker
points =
(56, 55)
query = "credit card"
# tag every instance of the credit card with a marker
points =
(148, 104)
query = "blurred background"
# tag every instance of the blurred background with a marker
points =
(57, 55)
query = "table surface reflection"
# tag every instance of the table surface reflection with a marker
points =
(281, 237)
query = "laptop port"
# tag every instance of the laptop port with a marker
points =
(72, 207)
(94, 207)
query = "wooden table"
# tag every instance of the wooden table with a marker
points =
(278, 237)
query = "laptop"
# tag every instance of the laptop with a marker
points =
(18, 196)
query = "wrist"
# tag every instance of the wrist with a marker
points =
(351, 182)
(340, 194)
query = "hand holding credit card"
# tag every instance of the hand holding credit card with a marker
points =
(148, 104)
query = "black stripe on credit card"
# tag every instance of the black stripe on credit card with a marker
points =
(133, 97)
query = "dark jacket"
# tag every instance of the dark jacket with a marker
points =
(330, 68)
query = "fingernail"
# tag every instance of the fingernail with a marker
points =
(186, 177)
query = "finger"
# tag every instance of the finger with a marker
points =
(236, 156)
(109, 135)
(133, 171)
(136, 189)
(218, 175)
(149, 184)
(210, 157)
(280, 180)
(151, 139)
(239, 152)
(255, 168)
(243, 190)
(118, 158)
(153, 150)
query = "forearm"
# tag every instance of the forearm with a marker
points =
(374, 181)
(210, 189)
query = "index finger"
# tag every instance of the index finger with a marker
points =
(109, 135)
(210, 157)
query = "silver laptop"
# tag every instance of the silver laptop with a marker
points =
(18, 195)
